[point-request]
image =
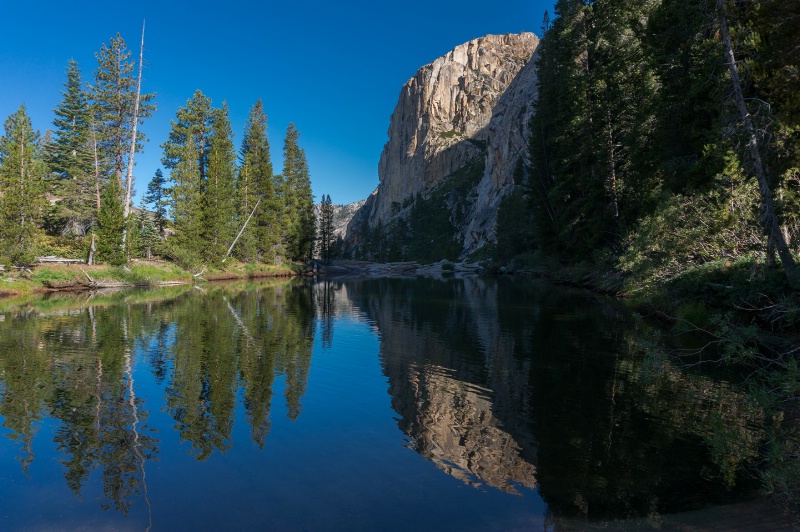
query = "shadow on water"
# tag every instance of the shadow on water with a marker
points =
(510, 383)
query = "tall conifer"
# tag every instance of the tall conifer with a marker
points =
(326, 238)
(256, 183)
(220, 217)
(71, 160)
(186, 154)
(156, 197)
(21, 189)
(300, 222)
(110, 224)
(114, 95)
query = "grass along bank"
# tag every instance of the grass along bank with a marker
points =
(56, 277)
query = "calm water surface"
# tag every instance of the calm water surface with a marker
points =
(463, 404)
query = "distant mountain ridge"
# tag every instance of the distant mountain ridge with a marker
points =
(464, 115)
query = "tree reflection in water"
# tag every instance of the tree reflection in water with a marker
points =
(503, 384)
(75, 364)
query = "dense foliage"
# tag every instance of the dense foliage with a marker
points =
(423, 228)
(643, 158)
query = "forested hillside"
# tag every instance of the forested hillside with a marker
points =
(665, 137)
(69, 192)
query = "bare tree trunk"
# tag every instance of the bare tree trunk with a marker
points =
(769, 216)
(612, 164)
(22, 173)
(134, 125)
(92, 249)
(96, 169)
(241, 231)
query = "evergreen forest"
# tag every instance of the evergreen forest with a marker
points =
(665, 139)
(69, 192)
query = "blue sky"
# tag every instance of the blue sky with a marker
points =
(335, 69)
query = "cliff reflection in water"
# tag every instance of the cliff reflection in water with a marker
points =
(504, 384)
(513, 383)
(453, 378)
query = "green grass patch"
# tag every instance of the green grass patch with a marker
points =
(55, 274)
(450, 134)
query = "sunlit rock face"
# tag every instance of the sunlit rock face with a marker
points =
(475, 101)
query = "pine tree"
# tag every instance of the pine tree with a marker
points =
(326, 236)
(769, 217)
(114, 96)
(69, 156)
(146, 235)
(256, 183)
(133, 245)
(186, 156)
(110, 224)
(220, 217)
(156, 197)
(775, 79)
(300, 222)
(593, 120)
(566, 173)
(21, 189)
(686, 65)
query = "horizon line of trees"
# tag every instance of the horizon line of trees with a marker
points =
(69, 191)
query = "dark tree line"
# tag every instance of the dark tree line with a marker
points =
(665, 134)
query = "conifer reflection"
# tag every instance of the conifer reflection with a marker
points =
(75, 367)
(226, 337)
(75, 360)
(26, 384)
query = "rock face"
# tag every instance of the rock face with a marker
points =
(473, 102)
(342, 214)
(507, 141)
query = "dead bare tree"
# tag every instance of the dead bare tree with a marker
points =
(769, 215)
(134, 124)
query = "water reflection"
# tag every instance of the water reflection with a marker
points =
(509, 386)
(74, 365)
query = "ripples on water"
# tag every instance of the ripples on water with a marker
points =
(472, 404)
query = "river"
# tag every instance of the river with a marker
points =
(366, 404)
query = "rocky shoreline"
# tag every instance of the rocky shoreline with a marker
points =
(354, 268)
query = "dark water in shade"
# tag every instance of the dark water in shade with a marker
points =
(464, 404)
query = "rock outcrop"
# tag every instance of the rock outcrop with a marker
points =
(342, 214)
(507, 142)
(471, 103)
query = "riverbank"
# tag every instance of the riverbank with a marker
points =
(746, 317)
(355, 268)
(138, 273)
(51, 277)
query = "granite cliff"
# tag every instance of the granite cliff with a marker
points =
(464, 115)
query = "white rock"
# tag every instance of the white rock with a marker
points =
(480, 93)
